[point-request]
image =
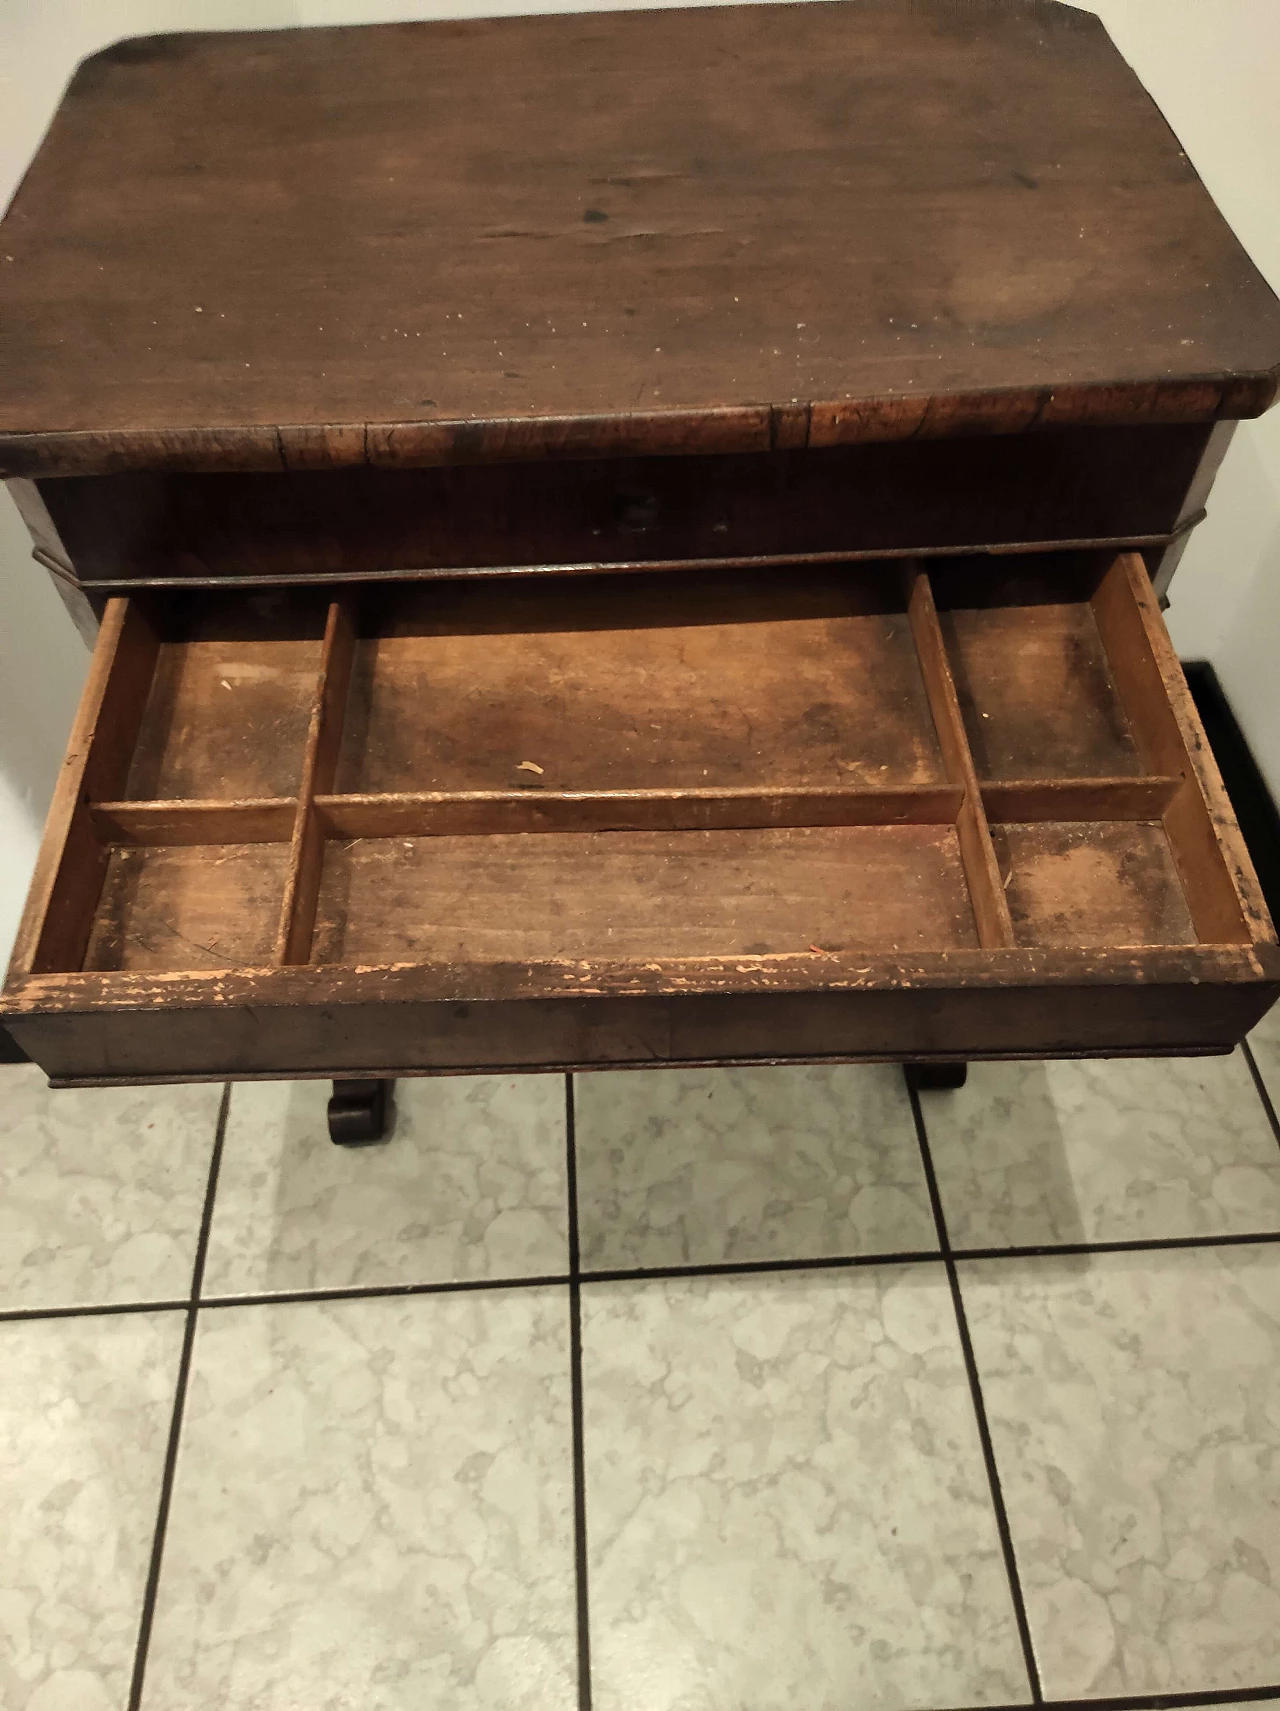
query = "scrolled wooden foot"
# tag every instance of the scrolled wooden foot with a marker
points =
(359, 1112)
(935, 1077)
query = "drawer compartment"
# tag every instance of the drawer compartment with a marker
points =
(187, 906)
(849, 811)
(229, 702)
(737, 892)
(640, 682)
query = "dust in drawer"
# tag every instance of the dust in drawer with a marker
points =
(194, 906)
(1083, 884)
(534, 896)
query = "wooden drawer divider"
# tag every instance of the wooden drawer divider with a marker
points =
(982, 874)
(324, 739)
(1178, 789)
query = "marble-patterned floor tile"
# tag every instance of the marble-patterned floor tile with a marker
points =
(101, 1190)
(786, 1499)
(373, 1507)
(702, 1166)
(1113, 1150)
(1264, 1042)
(1134, 1404)
(470, 1185)
(85, 1409)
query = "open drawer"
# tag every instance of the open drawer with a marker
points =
(843, 812)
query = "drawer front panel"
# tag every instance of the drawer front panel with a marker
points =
(1059, 485)
(379, 1039)
(856, 812)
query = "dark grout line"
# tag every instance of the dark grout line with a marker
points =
(754, 1267)
(1157, 1702)
(1139, 1245)
(383, 1291)
(106, 1310)
(571, 1177)
(979, 1408)
(654, 1274)
(179, 1404)
(580, 1566)
(1261, 1086)
(1150, 1701)
(919, 1256)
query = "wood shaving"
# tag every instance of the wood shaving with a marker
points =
(529, 766)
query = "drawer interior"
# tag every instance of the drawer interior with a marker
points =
(817, 761)
(229, 700)
(1039, 695)
(646, 682)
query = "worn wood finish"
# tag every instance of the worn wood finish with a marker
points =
(187, 906)
(365, 360)
(320, 761)
(326, 1021)
(599, 684)
(842, 819)
(266, 821)
(517, 237)
(1038, 697)
(505, 898)
(1056, 485)
(1215, 869)
(1092, 884)
(474, 812)
(1024, 968)
(228, 704)
(1067, 799)
(71, 863)
(990, 910)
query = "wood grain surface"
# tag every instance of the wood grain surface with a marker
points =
(648, 895)
(189, 906)
(695, 874)
(642, 682)
(1059, 484)
(1092, 884)
(719, 229)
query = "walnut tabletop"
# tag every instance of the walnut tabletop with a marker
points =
(702, 230)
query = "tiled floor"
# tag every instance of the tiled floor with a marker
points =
(678, 1391)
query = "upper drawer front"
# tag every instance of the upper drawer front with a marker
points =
(1062, 485)
(848, 811)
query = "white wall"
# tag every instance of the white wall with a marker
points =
(1213, 65)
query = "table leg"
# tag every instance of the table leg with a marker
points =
(359, 1112)
(935, 1077)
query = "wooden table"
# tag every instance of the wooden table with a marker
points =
(626, 539)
